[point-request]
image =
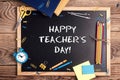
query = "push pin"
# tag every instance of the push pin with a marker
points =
(68, 69)
(101, 15)
(24, 21)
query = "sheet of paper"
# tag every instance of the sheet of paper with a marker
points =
(78, 71)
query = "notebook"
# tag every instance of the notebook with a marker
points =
(47, 7)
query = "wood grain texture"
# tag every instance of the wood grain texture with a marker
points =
(115, 47)
(7, 72)
(8, 16)
(8, 39)
(7, 47)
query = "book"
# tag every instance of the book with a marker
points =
(47, 7)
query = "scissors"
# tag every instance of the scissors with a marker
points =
(23, 12)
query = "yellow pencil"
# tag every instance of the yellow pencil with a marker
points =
(99, 43)
(58, 64)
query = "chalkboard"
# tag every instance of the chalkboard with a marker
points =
(69, 37)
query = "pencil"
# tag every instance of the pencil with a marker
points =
(62, 65)
(99, 43)
(58, 64)
(103, 37)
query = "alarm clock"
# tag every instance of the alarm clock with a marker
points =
(21, 56)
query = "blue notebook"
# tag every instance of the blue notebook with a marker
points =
(47, 7)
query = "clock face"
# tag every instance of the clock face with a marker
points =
(21, 57)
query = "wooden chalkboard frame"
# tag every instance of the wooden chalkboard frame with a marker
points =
(107, 73)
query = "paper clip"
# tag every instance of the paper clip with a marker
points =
(32, 65)
(23, 40)
(43, 65)
(68, 69)
(24, 21)
(101, 15)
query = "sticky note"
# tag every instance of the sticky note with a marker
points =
(88, 69)
(78, 71)
(60, 7)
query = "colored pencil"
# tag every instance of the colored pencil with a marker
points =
(62, 65)
(58, 64)
(99, 43)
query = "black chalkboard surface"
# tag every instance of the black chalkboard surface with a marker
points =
(67, 37)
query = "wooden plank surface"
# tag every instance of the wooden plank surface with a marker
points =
(8, 38)
(10, 71)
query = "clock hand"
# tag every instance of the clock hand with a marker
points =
(20, 56)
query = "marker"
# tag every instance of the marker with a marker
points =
(62, 65)
(58, 64)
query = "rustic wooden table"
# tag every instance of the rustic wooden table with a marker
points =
(8, 39)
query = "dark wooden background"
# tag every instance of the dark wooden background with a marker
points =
(8, 39)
